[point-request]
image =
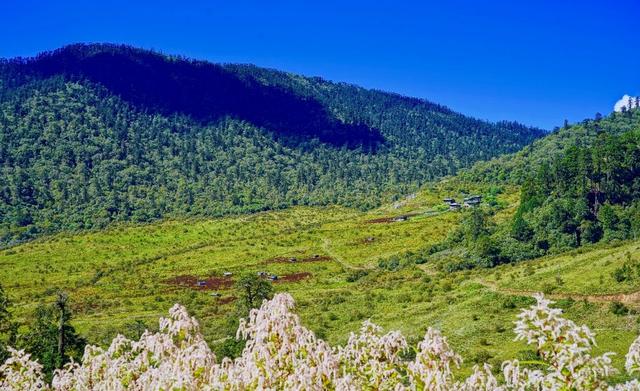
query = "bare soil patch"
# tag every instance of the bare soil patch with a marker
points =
(313, 258)
(393, 219)
(227, 300)
(293, 277)
(204, 284)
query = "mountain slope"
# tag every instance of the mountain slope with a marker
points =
(91, 134)
(129, 275)
(516, 167)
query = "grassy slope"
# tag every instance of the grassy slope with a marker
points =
(118, 275)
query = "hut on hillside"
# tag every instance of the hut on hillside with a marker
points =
(472, 201)
(454, 206)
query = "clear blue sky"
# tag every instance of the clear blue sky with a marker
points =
(537, 62)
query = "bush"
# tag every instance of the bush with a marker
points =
(618, 308)
(623, 273)
(356, 275)
(391, 264)
(178, 357)
(481, 357)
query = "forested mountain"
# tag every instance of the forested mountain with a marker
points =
(516, 167)
(579, 185)
(91, 134)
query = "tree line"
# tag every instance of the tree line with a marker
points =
(92, 134)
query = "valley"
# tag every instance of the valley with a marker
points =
(135, 184)
(328, 258)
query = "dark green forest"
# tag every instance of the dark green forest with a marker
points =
(580, 185)
(92, 134)
(588, 194)
(516, 168)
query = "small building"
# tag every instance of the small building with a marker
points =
(201, 283)
(293, 259)
(454, 206)
(273, 277)
(262, 274)
(449, 201)
(472, 201)
(227, 274)
(215, 294)
(399, 218)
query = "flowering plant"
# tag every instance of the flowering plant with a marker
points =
(281, 354)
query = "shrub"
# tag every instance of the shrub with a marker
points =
(279, 353)
(356, 275)
(623, 273)
(618, 308)
(481, 357)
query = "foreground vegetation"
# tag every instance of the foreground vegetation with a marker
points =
(349, 266)
(281, 354)
(560, 217)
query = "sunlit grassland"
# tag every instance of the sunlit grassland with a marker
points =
(123, 274)
(585, 271)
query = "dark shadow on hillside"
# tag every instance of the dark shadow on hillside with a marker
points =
(204, 91)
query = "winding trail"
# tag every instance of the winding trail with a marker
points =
(326, 243)
(627, 298)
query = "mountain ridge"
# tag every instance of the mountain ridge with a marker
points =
(93, 134)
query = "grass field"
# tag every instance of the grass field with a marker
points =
(129, 273)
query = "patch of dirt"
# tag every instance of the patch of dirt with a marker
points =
(227, 300)
(394, 219)
(293, 277)
(627, 298)
(203, 284)
(313, 258)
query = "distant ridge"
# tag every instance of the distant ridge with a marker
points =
(95, 133)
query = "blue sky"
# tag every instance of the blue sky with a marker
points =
(536, 62)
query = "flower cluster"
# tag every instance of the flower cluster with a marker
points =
(281, 354)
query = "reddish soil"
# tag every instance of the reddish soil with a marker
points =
(394, 219)
(227, 300)
(293, 277)
(207, 284)
(313, 258)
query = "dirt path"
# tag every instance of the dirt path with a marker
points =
(628, 298)
(326, 246)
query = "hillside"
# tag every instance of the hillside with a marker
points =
(349, 266)
(92, 134)
(515, 168)
(466, 272)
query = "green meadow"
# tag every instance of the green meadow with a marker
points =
(329, 260)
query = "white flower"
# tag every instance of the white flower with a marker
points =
(281, 354)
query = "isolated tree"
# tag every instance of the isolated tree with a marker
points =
(476, 224)
(7, 327)
(50, 338)
(5, 315)
(63, 317)
(253, 290)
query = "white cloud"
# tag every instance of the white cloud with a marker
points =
(624, 102)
